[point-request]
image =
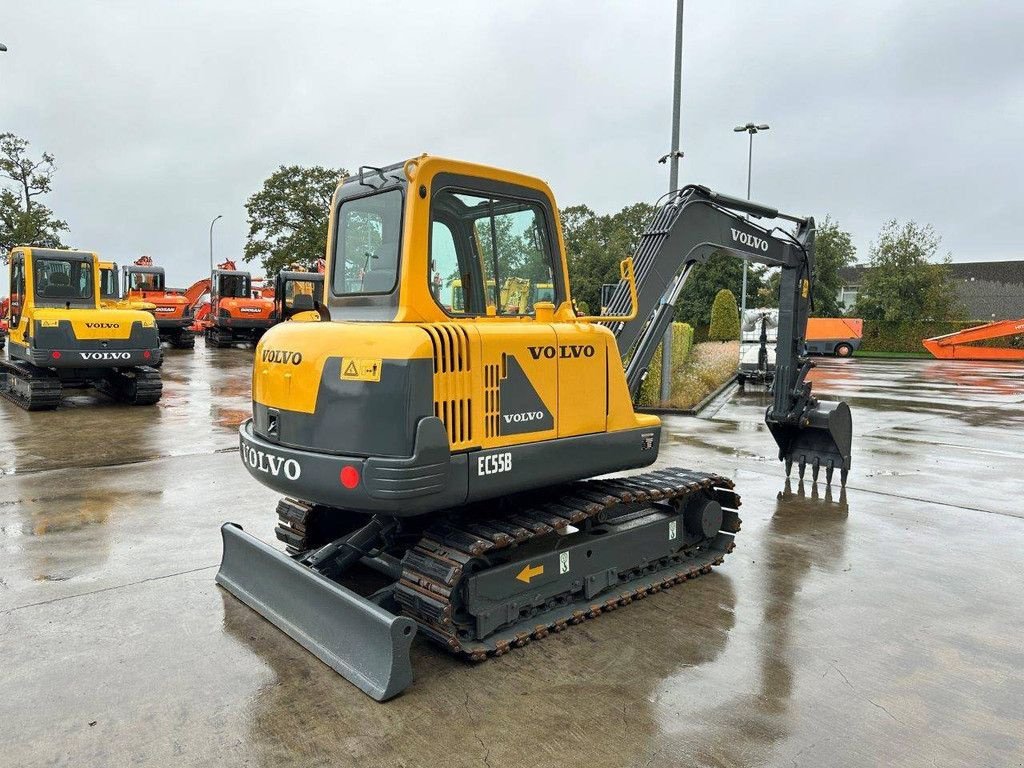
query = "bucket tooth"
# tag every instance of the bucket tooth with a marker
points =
(362, 641)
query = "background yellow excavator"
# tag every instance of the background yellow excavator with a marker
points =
(110, 293)
(445, 447)
(61, 335)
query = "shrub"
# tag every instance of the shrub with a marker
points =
(725, 317)
(883, 336)
(682, 343)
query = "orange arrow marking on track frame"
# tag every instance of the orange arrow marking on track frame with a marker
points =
(529, 572)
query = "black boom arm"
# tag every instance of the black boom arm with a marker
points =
(694, 223)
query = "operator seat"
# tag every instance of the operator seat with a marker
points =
(59, 287)
(381, 278)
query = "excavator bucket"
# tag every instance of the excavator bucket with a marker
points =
(363, 642)
(822, 440)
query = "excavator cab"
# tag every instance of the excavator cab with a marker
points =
(109, 290)
(144, 287)
(444, 429)
(298, 294)
(236, 313)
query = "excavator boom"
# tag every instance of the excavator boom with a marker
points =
(954, 346)
(686, 230)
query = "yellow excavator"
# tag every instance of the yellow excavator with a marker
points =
(62, 335)
(437, 460)
(110, 292)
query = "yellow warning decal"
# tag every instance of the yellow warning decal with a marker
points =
(805, 288)
(529, 572)
(361, 368)
(49, 323)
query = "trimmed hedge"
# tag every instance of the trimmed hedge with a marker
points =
(725, 317)
(881, 336)
(682, 343)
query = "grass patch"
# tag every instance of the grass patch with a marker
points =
(709, 365)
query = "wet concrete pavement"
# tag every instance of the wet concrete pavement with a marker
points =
(879, 626)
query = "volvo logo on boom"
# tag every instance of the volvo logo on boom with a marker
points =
(749, 240)
(281, 356)
(563, 352)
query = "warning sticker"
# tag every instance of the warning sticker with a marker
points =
(361, 368)
(563, 562)
(673, 531)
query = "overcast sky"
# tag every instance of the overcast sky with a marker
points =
(163, 114)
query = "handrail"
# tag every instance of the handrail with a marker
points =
(627, 273)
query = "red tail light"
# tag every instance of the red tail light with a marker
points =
(55, 355)
(147, 354)
(349, 477)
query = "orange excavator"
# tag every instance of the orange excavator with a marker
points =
(957, 346)
(143, 281)
(235, 312)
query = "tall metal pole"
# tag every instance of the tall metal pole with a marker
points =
(751, 129)
(750, 164)
(219, 216)
(673, 184)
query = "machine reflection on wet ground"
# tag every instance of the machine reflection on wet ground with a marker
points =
(880, 625)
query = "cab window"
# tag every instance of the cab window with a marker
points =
(145, 281)
(445, 275)
(108, 283)
(233, 286)
(367, 234)
(489, 251)
(311, 288)
(17, 289)
(63, 279)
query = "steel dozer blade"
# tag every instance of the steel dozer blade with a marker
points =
(363, 642)
(823, 440)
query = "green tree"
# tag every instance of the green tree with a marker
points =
(902, 283)
(833, 250)
(596, 244)
(725, 317)
(722, 270)
(24, 220)
(288, 216)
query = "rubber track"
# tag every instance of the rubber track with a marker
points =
(148, 386)
(45, 387)
(432, 571)
(303, 526)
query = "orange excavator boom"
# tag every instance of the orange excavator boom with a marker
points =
(954, 346)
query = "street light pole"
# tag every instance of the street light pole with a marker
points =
(219, 216)
(751, 129)
(673, 184)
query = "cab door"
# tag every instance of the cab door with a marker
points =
(18, 297)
